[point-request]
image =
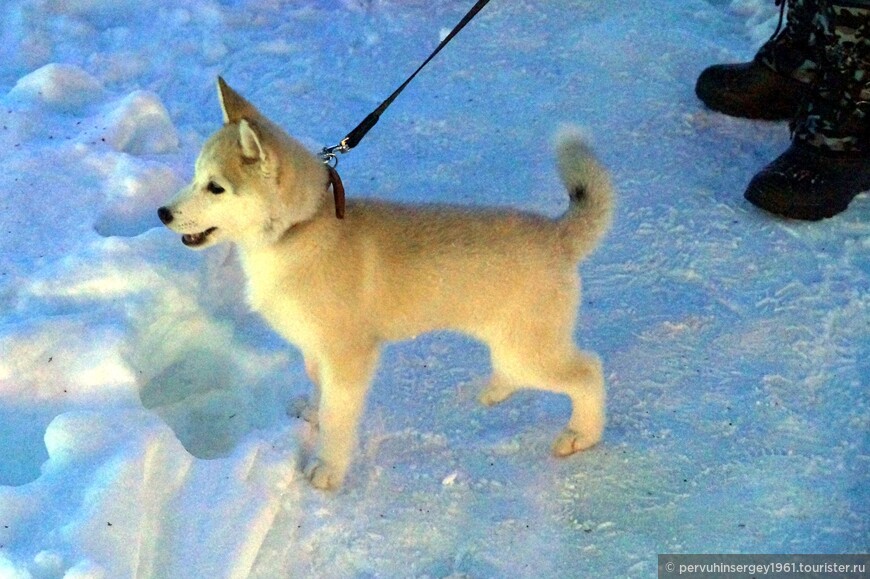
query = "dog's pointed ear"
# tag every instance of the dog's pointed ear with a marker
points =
(234, 107)
(251, 143)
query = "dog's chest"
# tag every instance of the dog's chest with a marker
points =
(270, 291)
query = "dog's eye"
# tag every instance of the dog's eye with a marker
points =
(215, 188)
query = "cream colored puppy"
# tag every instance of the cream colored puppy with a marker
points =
(338, 289)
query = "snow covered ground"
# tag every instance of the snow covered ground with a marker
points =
(143, 421)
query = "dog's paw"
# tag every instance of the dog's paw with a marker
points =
(302, 408)
(493, 395)
(323, 476)
(571, 441)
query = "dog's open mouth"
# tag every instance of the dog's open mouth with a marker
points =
(195, 239)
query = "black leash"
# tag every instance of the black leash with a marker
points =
(329, 154)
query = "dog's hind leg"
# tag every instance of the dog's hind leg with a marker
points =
(585, 386)
(345, 377)
(555, 366)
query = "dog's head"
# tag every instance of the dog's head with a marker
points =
(251, 182)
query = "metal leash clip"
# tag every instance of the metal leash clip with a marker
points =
(330, 156)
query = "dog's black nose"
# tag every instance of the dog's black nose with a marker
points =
(165, 215)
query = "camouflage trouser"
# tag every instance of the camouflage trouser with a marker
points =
(826, 44)
(791, 50)
(837, 117)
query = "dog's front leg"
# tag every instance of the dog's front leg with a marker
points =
(345, 375)
(305, 407)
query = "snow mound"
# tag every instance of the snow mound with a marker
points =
(140, 125)
(56, 366)
(128, 472)
(131, 478)
(134, 189)
(62, 87)
(158, 346)
(208, 387)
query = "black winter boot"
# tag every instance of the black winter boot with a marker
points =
(777, 80)
(828, 163)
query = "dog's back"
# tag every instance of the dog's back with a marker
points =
(416, 268)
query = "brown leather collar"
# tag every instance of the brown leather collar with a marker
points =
(337, 191)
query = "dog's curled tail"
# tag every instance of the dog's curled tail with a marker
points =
(588, 182)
